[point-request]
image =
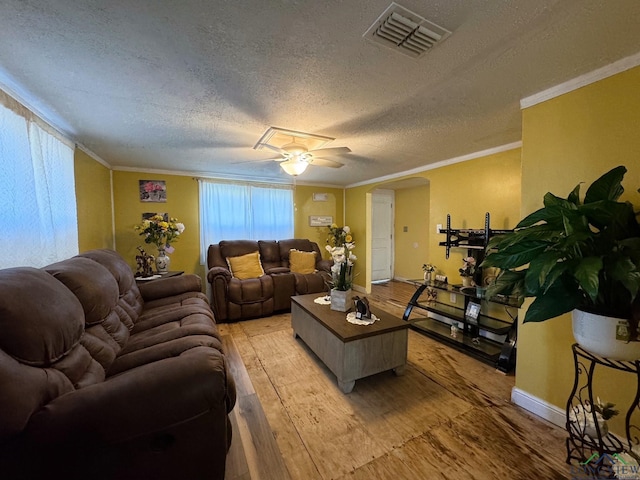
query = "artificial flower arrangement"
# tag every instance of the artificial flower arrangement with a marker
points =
(340, 244)
(468, 267)
(159, 231)
(428, 268)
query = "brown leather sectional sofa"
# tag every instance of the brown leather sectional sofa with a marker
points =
(235, 299)
(100, 378)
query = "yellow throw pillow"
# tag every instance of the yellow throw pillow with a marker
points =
(246, 266)
(302, 262)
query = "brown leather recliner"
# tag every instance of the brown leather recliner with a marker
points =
(234, 299)
(100, 379)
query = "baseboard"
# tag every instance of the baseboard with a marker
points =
(551, 413)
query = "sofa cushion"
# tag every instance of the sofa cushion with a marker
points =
(246, 266)
(98, 293)
(130, 303)
(40, 319)
(41, 354)
(302, 262)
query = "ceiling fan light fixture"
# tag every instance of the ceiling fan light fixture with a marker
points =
(295, 148)
(294, 167)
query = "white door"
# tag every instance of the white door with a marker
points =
(382, 235)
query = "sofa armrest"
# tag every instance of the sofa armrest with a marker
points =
(218, 272)
(143, 400)
(219, 279)
(168, 287)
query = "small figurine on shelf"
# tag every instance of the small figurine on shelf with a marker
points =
(144, 263)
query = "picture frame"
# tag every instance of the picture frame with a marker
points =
(320, 220)
(153, 191)
(320, 197)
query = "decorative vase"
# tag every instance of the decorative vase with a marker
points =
(341, 300)
(427, 277)
(605, 336)
(162, 261)
(467, 282)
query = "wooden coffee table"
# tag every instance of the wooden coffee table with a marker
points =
(350, 351)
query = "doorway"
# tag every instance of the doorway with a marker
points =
(382, 241)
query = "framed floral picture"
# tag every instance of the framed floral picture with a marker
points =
(153, 191)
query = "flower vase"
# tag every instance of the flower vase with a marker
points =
(162, 261)
(427, 277)
(467, 282)
(341, 300)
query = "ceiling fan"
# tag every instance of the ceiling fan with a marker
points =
(296, 155)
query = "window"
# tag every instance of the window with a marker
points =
(243, 212)
(38, 223)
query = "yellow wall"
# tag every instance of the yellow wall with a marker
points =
(411, 247)
(182, 203)
(93, 198)
(306, 206)
(570, 139)
(468, 190)
(357, 213)
(464, 190)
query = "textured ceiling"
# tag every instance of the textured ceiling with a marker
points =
(191, 86)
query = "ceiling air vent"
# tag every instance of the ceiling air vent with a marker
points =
(405, 31)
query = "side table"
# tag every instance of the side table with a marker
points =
(596, 451)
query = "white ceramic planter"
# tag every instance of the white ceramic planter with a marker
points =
(341, 301)
(604, 336)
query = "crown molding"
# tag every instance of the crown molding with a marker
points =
(620, 66)
(443, 163)
(94, 155)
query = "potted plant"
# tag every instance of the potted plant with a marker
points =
(581, 257)
(428, 270)
(340, 244)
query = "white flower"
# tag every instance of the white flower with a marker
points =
(346, 229)
(180, 227)
(352, 257)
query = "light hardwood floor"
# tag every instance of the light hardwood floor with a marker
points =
(448, 417)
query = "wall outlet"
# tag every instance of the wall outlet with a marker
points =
(453, 298)
(438, 228)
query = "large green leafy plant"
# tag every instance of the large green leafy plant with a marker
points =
(574, 254)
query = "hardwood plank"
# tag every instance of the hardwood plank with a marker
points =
(263, 459)
(448, 417)
(236, 464)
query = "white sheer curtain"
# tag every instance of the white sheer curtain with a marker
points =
(243, 212)
(38, 224)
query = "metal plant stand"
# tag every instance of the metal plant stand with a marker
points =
(595, 450)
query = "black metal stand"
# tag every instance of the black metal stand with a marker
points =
(470, 337)
(596, 451)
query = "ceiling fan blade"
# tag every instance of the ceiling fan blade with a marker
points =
(276, 159)
(330, 151)
(275, 149)
(325, 162)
